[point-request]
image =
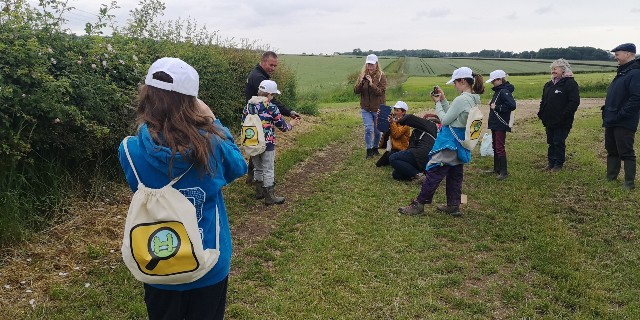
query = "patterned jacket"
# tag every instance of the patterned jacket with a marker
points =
(270, 116)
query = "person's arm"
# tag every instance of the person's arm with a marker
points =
(278, 119)
(285, 111)
(573, 97)
(442, 107)
(505, 101)
(415, 122)
(380, 87)
(357, 88)
(453, 112)
(632, 105)
(234, 165)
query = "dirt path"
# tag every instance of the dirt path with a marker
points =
(88, 237)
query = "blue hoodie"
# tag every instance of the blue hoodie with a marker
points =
(205, 191)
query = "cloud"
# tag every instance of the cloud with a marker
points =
(433, 13)
(512, 16)
(635, 10)
(544, 10)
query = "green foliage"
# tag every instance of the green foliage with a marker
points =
(67, 101)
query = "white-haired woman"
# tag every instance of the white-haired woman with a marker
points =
(371, 86)
(560, 100)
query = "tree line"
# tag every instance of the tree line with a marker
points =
(571, 53)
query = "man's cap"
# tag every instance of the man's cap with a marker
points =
(497, 74)
(461, 73)
(185, 77)
(269, 86)
(372, 59)
(401, 105)
(629, 47)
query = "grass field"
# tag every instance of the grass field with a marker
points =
(592, 85)
(445, 66)
(322, 73)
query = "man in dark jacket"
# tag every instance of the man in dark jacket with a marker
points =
(263, 71)
(558, 106)
(411, 163)
(620, 115)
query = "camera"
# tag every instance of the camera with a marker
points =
(435, 91)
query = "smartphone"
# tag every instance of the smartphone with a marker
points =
(435, 91)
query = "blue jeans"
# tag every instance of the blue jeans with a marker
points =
(404, 165)
(556, 139)
(371, 133)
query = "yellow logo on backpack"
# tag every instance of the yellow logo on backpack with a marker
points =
(253, 140)
(162, 248)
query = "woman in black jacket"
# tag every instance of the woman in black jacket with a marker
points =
(560, 100)
(411, 163)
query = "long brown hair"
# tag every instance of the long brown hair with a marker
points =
(476, 83)
(174, 121)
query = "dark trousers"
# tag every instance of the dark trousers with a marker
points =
(434, 176)
(498, 139)
(202, 303)
(556, 139)
(404, 165)
(619, 143)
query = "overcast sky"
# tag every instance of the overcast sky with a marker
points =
(327, 26)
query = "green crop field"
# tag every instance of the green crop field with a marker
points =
(592, 85)
(325, 72)
(444, 66)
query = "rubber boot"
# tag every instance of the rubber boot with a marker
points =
(270, 197)
(613, 168)
(259, 190)
(629, 174)
(495, 167)
(369, 153)
(502, 168)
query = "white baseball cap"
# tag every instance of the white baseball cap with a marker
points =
(461, 73)
(496, 74)
(372, 59)
(269, 86)
(185, 77)
(401, 105)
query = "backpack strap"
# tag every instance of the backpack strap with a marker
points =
(126, 151)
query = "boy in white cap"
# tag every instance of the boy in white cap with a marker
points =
(398, 135)
(263, 172)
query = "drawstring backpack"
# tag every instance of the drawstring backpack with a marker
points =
(472, 128)
(162, 242)
(253, 140)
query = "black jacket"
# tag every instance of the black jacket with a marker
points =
(622, 104)
(256, 76)
(505, 104)
(422, 138)
(559, 103)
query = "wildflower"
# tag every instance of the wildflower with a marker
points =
(32, 302)
(53, 61)
(106, 56)
(109, 47)
(135, 58)
(79, 62)
(93, 65)
(49, 49)
(56, 120)
(104, 64)
(24, 95)
(121, 62)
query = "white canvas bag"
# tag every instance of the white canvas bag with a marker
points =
(253, 140)
(473, 128)
(161, 242)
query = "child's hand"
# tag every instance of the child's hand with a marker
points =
(294, 122)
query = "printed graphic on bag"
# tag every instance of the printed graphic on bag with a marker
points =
(249, 136)
(475, 129)
(163, 248)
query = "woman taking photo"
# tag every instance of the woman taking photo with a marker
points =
(447, 156)
(178, 136)
(371, 86)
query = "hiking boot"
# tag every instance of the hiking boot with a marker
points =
(452, 210)
(415, 208)
(259, 190)
(418, 179)
(270, 197)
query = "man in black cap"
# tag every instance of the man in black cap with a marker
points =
(621, 114)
